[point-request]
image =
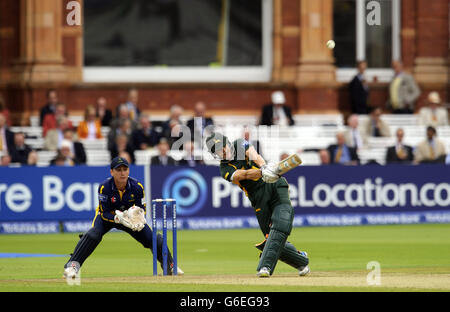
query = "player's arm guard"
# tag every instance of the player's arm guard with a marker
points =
(269, 174)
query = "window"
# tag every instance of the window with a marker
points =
(177, 40)
(357, 39)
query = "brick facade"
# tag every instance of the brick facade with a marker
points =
(38, 52)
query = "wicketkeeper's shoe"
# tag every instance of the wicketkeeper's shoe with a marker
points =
(263, 272)
(179, 271)
(71, 270)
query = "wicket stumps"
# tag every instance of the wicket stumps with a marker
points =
(163, 203)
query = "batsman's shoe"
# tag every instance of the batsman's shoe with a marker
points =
(179, 271)
(263, 272)
(304, 270)
(71, 270)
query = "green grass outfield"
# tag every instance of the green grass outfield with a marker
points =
(412, 258)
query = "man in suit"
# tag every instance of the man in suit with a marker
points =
(145, 136)
(433, 114)
(132, 105)
(103, 113)
(353, 136)
(341, 153)
(65, 156)
(399, 153)
(359, 90)
(430, 150)
(277, 113)
(50, 107)
(375, 126)
(199, 122)
(163, 158)
(76, 148)
(6, 136)
(22, 153)
(403, 91)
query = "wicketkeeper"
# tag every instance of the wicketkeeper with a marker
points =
(269, 195)
(121, 206)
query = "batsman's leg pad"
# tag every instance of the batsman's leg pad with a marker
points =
(289, 255)
(282, 218)
(85, 246)
(272, 250)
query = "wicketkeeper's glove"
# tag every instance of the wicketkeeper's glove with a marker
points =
(133, 218)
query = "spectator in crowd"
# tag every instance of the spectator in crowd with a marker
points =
(277, 112)
(163, 157)
(6, 136)
(189, 157)
(353, 136)
(400, 153)
(434, 114)
(145, 136)
(103, 113)
(375, 126)
(341, 153)
(4, 110)
(403, 91)
(247, 134)
(125, 128)
(173, 127)
(76, 148)
(50, 107)
(199, 122)
(122, 115)
(54, 137)
(50, 119)
(91, 127)
(64, 157)
(324, 157)
(359, 90)
(21, 152)
(431, 150)
(5, 160)
(283, 156)
(122, 145)
(132, 104)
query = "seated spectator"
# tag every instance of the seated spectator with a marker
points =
(126, 155)
(283, 156)
(403, 91)
(277, 112)
(132, 105)
(324, 156)
(103, 113)
(145, 136)
(434, 114)
(125, 128)
(5, 160)
(199, 122)
(21, 152)
(54, 137)
(122, 144)
(399, 153)
(341, 153)
(91, 127)
(353, 136)
(163, 157)
(50, 107)
(359, 90)
(76, 148)
(189, 157)
(375, 126)
(4, 110)
(6, 136)
(431, 150)
(65, 157)
(123, 114)
(173, 127)
(50, 119)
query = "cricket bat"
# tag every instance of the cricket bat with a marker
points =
(288, 164)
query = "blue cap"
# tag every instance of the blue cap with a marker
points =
(119, 161)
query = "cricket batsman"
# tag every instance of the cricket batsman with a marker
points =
(121, 206)
(269, 195)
